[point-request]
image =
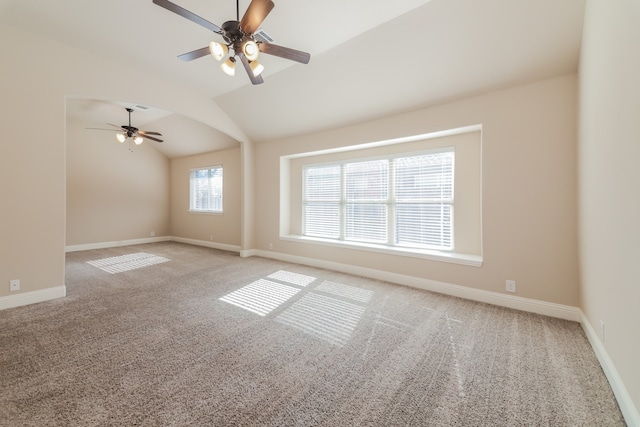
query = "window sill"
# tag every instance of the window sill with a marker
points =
(432, 255)
(205, 212)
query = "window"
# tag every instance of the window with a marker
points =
(206, 190)
(418, 196)
(403, 201)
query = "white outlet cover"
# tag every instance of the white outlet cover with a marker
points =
(511, 285)
(14, 285)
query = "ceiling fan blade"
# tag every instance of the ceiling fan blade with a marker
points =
(255, 14)
(116, 126)
(285, 52)
(172, 7)
(255, 80)
(194, 54)
(152, 138)
(110, 130)
(146, 132)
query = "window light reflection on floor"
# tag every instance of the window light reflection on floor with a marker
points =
(261, 296)
(351, 292)
(325, 317)
(127, 262)
(293, 278)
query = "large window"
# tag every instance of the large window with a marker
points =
(206, 190)
(403, 201)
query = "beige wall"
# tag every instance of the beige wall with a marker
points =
(113, 193)
(610, 181)
(34, 85)
(32, 183)
(529, 189)
(219, 228)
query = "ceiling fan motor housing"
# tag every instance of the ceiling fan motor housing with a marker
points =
(232, 32)
(235, 37)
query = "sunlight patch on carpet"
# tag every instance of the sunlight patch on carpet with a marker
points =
(261, 296)
(293, 278)
(324, 317)
(119, 264)
(342, 290)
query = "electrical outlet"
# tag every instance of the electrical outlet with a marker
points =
(153, 234)
(270, 246)
(14, 285)
(511, 285)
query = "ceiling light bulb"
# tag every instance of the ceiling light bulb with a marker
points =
(229, 66)
(250, 50)
(256, 68)
(218, 50)
(138, 140)
(121, 137)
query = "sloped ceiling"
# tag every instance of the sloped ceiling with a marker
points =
(368, 58)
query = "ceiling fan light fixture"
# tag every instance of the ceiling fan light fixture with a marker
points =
(138, 139)
(218, 50)
(250, 50)
(121, 137)
(229, 66)
(243, 36)
(256, 68)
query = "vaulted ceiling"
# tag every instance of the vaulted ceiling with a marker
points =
(368, 58)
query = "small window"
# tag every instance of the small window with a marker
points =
(206, 190)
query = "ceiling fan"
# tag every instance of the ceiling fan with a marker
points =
(240, 39)
(128, 131)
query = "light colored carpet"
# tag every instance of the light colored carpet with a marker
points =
(208, 338)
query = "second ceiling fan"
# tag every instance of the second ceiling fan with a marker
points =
(240, 40)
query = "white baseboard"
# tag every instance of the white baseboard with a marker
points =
(248, 253)
(115, 244)
(511, 301)
(205, 243)
(26, 298)
(629, 411)
(519, 303)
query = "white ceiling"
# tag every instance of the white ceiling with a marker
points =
(368, 58)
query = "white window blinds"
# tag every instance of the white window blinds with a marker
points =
(424, 200)
(366, 201)
(322, 186)
(206, 190)
(400, 201)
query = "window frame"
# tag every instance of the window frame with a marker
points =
(390, 202)
(193, 208)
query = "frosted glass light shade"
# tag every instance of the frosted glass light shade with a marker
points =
(121, 137)
(250, 50)
(229, 66)
(256, 68)
(218, 50)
